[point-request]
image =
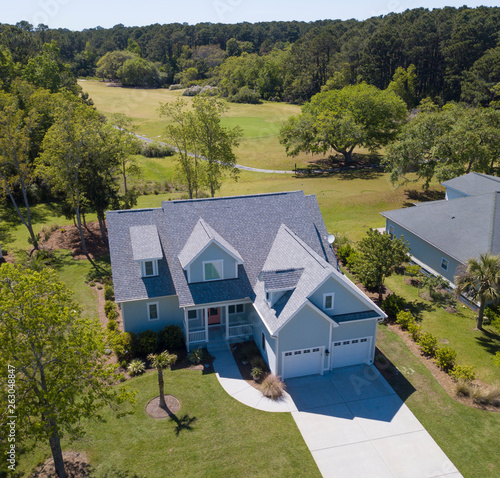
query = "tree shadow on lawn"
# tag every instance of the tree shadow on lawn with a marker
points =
(490, 341)
(182, 423)
(417, 308)
(422, 195)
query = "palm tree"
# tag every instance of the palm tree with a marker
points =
(161, 362)
(480, 281)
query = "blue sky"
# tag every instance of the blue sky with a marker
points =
(80, 14)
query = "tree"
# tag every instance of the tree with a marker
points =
(359, 115)
(109, 64)
(480, 281)
(403, 84)
(446, 143)
(61, 376)
(16, 171)
(161, 362)
(378, 255)
(138, 72)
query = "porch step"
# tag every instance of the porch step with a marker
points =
(218, 346)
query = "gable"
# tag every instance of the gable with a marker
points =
(213, 252)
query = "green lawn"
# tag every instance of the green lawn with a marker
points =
(467, 435)
(213, 435)
(473, 347)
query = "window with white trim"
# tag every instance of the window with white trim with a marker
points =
(213, 270)
(236, 309)
(192, 314)
(444, 264)
(153, 311)
(328, 301)
(149, 268)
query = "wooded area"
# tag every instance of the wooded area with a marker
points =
(454, 52)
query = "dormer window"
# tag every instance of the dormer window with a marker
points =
(213, 270)
(149, 268)
(328, 301)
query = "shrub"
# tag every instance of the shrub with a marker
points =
(122, 345)
(192, 90)
(272, 387)
(136, 367)
(393, 304)
(171, 338)
(177, 86)
(463, 373)
(412, 270)
(415, 331)
(486, 396)
(258, 362)
(445, 358)
(428, 343)
(199, 355)
(344, 251)
(112, 325)
(404, 319)
(147, 343)
(154, 149)
(257, 373)
(246, 95)
(109, 293)
(463, 388)
(109, 307)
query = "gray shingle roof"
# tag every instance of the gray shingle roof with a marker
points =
(461, 228)
(201, 236)
(474, 184)
(280, 280)
(269, 232)
(145, 243)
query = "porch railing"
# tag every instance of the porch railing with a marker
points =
(197, 336)
(242, 329)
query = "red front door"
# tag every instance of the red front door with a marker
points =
(214, 316)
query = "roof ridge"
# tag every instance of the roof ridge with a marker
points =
(306, 247)
(221, 198)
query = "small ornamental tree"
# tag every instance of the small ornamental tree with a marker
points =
(161, 362)
(378, 255)
(56, 356)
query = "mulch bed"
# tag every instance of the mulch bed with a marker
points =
(75, 464)
(68, 237)
(245, 369)
(154, 410)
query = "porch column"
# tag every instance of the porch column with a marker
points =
(226, 308)
(186, 325)
(206, 323)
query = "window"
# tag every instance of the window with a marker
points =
(328, 301)
(263, 341)
(153, 311)
(149, 268)
(444, 264)
(391, 231)
(213, 270)
(192, 314)
(236, 309)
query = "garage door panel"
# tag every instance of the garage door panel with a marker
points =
(351, 351)
(298, 363)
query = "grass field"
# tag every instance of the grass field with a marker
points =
(259, 147)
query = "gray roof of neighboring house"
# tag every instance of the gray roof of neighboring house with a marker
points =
(461, 228)
(199, 239)
(145, 243)
(474, 184)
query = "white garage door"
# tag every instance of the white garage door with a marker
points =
(351, 352)
(297, 363)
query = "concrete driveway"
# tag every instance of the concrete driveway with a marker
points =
(356, 426)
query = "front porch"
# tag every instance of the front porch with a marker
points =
(214, 324)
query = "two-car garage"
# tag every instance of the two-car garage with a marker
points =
(309, 361)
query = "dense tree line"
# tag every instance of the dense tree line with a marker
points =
(453, 52)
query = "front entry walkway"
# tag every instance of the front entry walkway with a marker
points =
(353, 422)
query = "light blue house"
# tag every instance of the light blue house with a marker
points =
(243, 267)
(443, 235)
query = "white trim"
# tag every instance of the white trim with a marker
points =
(148, 304)
(221, 261)
(218, 244)
(145, 298)
(154, 262)
(329, 294)
(217, 304)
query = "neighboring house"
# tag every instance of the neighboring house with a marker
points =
(443, 235)
(243, 267)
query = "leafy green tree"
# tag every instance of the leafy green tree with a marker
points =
(7, 68)
(359, 115)
(403, 84)
(480, 281)
(446, 143)
(138, 72)
(57, 357)
(161, 362)
(16, 171)
(378, 255)
(110, 63)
